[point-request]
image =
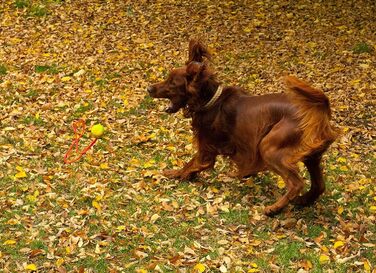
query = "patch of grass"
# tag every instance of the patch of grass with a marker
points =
(314, 230)
(236, 217)
(288, 252)
(146, 103)
(37, 244)
(50, 69)
(97, 265)
(101, 82)
(3, 70)
(13, 251)
(55, 1)
(21, 4)
(32, 93)
(362, 47)
(33, 120)
(262, 264)
(38, 11)
(84, 107)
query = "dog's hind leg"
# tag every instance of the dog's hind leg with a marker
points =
(317, 181)
(277, 151)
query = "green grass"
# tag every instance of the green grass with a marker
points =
(98, 265)
(3, 70)
(34, 9)
(37, 244)
(32, 94)
(37, 11)
(288, 252)
(49, 69)
(362, 47)
(33, 120)
(21, 4)
(235, 217)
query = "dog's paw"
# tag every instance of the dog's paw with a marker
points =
(303, 201)
(171, 173)
(271, 210)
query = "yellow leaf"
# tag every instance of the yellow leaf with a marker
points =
(324, 248)
(280, 183)
(154, 218)
(68, 250)
(149, 164)
(344, 168)
(96, 205)
(254, 268)
(338, 244)
(104, 166)
(141, 271)
(247, 29)
(31, 267)
(21, 172)
(171, 148)
(367, 266)
(31, 198)
(65, 79)
(59, 262)
(134, 162)
(372, 208)
(97, 249)
(12, 222)
(354, 82)
(341, 160)
(199, 267)
(9, 242)
(340, 210)
(98, 197)
(120, 228)
(324, 259)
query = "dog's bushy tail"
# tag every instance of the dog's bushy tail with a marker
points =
(314, 115)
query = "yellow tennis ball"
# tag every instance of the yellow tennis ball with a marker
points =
(97, 130)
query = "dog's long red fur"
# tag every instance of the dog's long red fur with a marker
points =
(268, 132)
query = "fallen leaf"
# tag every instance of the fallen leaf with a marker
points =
(324, 259)
(199, 267)
(31, 267)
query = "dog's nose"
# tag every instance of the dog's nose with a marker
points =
(150, 89)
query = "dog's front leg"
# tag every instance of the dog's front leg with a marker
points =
(197, 164)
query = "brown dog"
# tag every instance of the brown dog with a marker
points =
(257, 133)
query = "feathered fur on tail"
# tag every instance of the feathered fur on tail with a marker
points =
(313, 114)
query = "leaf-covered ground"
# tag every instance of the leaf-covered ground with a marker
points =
(112, 211)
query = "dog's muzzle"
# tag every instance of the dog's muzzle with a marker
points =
(151, 90)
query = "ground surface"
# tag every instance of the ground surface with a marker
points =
(112, 211)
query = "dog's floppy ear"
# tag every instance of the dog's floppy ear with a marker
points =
(197, 51)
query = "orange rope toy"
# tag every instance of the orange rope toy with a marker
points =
(79, 128)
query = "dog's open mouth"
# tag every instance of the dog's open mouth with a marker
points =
(172, 108)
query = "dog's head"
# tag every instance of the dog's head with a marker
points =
(182, 83)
